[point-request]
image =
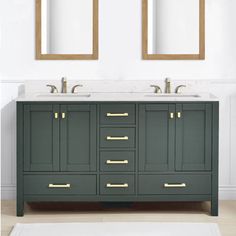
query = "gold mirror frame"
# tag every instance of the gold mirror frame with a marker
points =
(200, 56)
(40, 56)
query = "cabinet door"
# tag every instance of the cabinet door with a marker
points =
(41, 138)
(78, 137)
(156, 137)
(193, 137)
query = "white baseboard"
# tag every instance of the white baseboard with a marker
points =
(8, 192)
(225, 192)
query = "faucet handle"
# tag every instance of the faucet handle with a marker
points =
(74, 87)
(178, 88)
(157, 88)
(53, 88)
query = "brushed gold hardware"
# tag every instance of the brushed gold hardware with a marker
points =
(181, 185)
(74, 87)
(53, 88)
(157, 88)
(178, 88)
(59, 185)
(117, 162)
(63, 115)
(117, 114)
(179, 114)
(56, 115)
(117, 138)
(172, 115)
(125, 185)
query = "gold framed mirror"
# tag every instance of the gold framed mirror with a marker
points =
(173, 29)
(66, 29)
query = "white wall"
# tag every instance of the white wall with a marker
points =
(120, 58)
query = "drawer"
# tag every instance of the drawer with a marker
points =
(117, 161)
(60, 184)
(117, 114)
(117, 184)
(117, 137)
(175, 184)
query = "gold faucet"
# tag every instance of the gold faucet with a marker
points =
(64, 85)
(168, 85)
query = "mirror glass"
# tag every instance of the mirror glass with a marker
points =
(66, 27)
(173, 27)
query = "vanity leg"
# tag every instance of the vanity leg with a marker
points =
(20, 208)
(214, 207)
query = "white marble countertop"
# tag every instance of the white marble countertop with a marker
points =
(116, 97)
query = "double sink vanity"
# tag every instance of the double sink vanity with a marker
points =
(117, 147)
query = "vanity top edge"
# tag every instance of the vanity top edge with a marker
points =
(119, 97)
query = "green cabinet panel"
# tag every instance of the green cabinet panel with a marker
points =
(175, 184)
(117, 184)
(41, 138)
(193, 137)
(121, 161)
(78, 138)
(114, 114)
(156, 137)
(117, 137)
(61, 184)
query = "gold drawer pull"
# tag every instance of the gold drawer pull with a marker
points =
(117, 138)
(125, 185)
(182, 185)
(117, 162)
(63, 115)
(172, 115)
(56, 115)
(59, 185)
(179, 114)
(117, 114)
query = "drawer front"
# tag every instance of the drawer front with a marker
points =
(174, 184)
(117, 184)
(117, 161)
(117, 137)
(60, 184)
(117, 114)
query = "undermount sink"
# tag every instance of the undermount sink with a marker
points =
(64, 95)
(173, 95)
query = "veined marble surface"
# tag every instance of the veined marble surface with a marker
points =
(113, 91)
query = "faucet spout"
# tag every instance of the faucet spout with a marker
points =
(168, 85)
(64, 85)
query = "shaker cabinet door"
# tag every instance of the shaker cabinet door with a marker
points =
(156, 137)
(193, 137)
(41, 138)
(78, 137)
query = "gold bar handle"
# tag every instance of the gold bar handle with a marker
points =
(117, 114)
(171, 115)
(56, 115)
(117, 162)
(125, 185)
(59, 186)
(179, 114)
(63, 115)
(181, 185)
(117, 138)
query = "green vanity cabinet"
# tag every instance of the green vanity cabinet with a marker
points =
(117, 152)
